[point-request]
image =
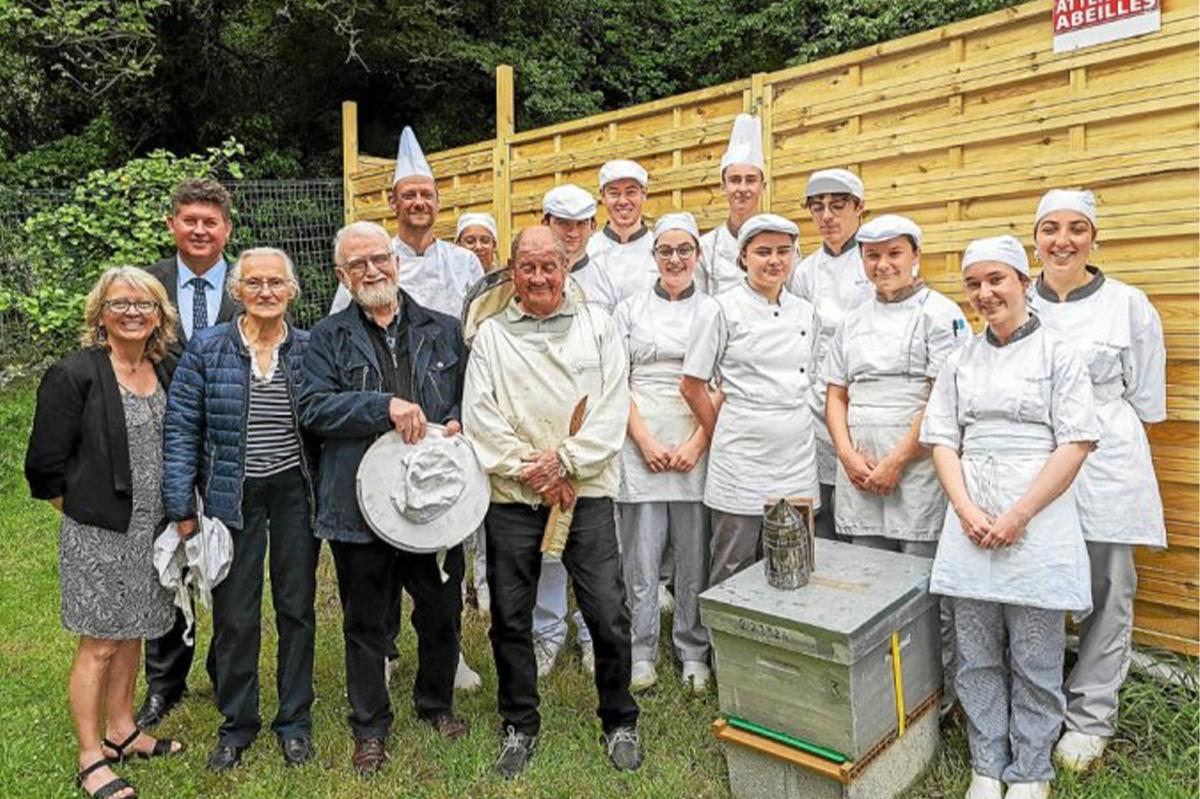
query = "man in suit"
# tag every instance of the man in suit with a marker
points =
(194, 277)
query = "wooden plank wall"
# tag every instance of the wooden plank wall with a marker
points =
(961, 128)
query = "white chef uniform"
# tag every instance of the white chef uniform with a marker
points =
(717, 271)
(886, 354)
(598, 288)
(437, 279)
(629, 265)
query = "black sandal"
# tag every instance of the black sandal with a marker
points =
(107, 789)
(162, 747)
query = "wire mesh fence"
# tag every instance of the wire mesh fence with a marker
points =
(298, 216)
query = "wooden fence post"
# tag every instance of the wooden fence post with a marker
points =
(349, 157)
(762, 94)
(501, 159)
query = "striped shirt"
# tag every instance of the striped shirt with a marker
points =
(272, 445)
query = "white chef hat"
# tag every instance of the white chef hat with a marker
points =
(889, 226)
(765, 223)
(483, 220)
(569, 201)
(677, 221)
(622, 169)
(1005, 249)
(410, 160)
(745, 143)
(1081, 202)
(835, 181)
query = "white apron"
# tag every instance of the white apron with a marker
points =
(1120, 336)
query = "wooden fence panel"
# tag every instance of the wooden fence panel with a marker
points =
(962, 128)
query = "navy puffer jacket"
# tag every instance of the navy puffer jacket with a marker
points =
(204, 430)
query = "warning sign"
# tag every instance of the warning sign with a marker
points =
(1082, 23)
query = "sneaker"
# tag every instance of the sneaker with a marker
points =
(624, 746)
(545, 653)
(697, 674)
(515, 750)
(1077, 752)
(984, 788)
(1028, 790)
(666, 600)
(466, 678)
(587, 656)
(643, 676)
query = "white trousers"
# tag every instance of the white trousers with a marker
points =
(646, 529)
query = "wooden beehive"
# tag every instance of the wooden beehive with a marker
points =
(816, 663)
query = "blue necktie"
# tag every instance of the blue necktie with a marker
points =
(199, 304)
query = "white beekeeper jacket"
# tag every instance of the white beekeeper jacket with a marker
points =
(524, 378)
(1006, 409)
(886, 355)
(1120, 336)
(763, 445)
(437, 279)
(654, 330)
(834, 283)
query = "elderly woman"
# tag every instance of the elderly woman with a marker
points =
(1010, 420)
(1121, 338)
(477, 233)
(231, 433)
(759, 339)
(95, 453)
(662, 462)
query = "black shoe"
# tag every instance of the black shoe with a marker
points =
(297, 751)
(624, 746)
(225, 757)
(515, 750)
(155, 709)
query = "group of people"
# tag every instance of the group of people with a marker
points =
(658, 384)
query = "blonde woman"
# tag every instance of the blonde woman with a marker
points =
(95, 453)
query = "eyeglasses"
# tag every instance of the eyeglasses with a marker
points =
(358, 266)
(123, 306)
(256, 286)
(684, 251)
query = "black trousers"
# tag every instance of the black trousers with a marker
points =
(276, 515)
(169, 659)
(370, 578)
(514, 563)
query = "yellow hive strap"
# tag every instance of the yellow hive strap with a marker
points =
(898, 683)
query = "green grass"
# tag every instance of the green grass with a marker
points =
(1154, 756)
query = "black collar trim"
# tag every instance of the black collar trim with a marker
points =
(608, 231)
(1021, 332)
(1086, 290)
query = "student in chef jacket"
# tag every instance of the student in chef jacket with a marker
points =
(477, 232)
(435, 273)
(743, 178)
(622, 247)
(1121, 338)
(570, 213)
(661, 492)
(1011, 419)
(833, 280)
(759, 339)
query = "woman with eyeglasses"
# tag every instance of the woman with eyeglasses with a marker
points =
(232, 433)
(95, 453)
(661, 493)
(758, 338)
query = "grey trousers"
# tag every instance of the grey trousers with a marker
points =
(736, 544)
(1009, 681)
(924, 549)
(1105, 642)
(645, 530)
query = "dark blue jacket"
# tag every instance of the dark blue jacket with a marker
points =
(204, 431)
(342, 401)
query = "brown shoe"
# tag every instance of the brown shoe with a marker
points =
(448, 726)
(368, 757)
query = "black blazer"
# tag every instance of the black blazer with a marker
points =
(167, 272)
(79, 446)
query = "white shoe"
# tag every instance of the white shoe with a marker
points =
(643, 676)
(587, 656)
(1077, 751)
(389, 668)
(666, 600)
(466, 678)
(1028, 790)
(696, 674)
(546, 653)
(984, 788)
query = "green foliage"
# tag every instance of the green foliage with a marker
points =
(64, 161)
(114, 218)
